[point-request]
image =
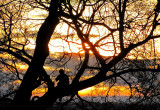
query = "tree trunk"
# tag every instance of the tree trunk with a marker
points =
(22, 97)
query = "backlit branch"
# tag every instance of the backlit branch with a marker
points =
(83, 67)
(16, 55)
(121, 23)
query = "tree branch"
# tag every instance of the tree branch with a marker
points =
(82, 69)
(16, 55)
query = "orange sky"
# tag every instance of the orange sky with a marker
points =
(95, 91)
(102, 91)
(59, 45)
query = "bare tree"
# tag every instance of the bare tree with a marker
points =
(126, 28)
(13, 52)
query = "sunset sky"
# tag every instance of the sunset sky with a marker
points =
(65, 40)
(72, 44)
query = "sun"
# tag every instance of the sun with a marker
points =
(63, 29)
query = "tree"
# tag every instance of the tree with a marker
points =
(126, 28)
(12, 51)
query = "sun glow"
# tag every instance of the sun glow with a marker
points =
(22, 66)
(59, 45)
(94, 91)
(105, 90)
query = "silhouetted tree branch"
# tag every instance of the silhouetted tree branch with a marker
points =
(126, 28)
